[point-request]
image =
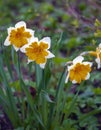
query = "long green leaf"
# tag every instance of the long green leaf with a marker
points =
(11, 100)
(57, 96)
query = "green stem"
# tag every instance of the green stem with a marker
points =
(43, 79)
(20, 83)
(38, 73)
(32, 105)
(58, 94)
(40, 83)
(60, 84)
(44, 110)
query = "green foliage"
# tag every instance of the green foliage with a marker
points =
(40, 100)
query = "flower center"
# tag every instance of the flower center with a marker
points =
(19, 37)
(79, 72)
(37, 52)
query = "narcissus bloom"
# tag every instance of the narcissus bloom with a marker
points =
(18, 36)
(38, 51)
(97, 54)
(79, 70)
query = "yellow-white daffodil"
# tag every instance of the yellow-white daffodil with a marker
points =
(79, 70)
(18, 36)
(38, 51)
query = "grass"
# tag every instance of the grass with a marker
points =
(71, 28)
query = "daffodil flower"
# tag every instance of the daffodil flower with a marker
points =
(79, 70)
(38, 51)
(97, 54)
(18, 36)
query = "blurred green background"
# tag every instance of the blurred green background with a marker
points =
(70, 24)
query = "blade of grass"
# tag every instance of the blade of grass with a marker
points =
(74, 100)
(8, 64)
(12, 102)
(31, 103)
(44, 110)
(93, 112)
(58, 94)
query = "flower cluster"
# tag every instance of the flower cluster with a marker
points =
(79, 70)
(23, 39)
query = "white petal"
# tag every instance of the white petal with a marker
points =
(30, 31)
(74, 81)
(86, 63)
(99, 66)
(33, 39)
(78, 59)
(50, 55)
(10, 29)
(16, 48)
(100, 45)
(7, 42)
(23, 49)
(88, 76)
(70, 67)
(29, 61)
(42, 65)
(20, 24)
(46, 40)
(98, 63)
(67, 78)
